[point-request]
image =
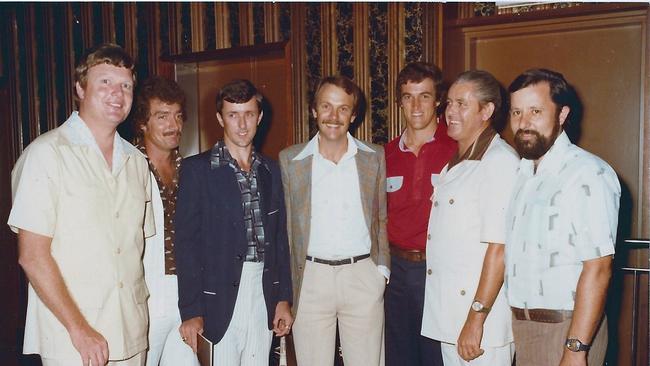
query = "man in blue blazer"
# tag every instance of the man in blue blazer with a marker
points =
(234, 276)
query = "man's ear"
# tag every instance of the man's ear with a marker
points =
(487, 111)
(80, 91)
(220, 119)
(564, 113)
(259, 119)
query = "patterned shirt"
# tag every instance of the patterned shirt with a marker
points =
(168, 196)
(564, 213)
(250, 198)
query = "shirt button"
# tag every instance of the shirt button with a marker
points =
(428, 236)
(451, 201)
(235, 284)
(117, 215)
(435, 204)
(120, 284)
(429, 271)
(118, 251)
(462, 292)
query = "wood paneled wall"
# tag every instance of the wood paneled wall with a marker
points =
(367, 42)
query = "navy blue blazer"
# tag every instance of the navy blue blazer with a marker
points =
(210, 243)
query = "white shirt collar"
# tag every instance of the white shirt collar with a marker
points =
(402, 138)
(312, 147)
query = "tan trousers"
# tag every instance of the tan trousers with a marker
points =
(137, 360)
(353, 294)
(542, 344)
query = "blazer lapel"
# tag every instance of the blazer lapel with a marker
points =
(265, 187)
(301, 196)
(367, 170)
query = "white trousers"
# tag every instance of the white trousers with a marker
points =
(137, 360)
(492, 356)
(353, 296)
(165, 345)
(247, 341)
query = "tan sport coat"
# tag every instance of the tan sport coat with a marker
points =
(296, 180)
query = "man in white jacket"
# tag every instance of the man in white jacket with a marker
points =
(158, 122)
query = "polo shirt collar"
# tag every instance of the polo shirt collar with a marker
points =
(311, 148)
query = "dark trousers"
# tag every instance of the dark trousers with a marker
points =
(403, 304)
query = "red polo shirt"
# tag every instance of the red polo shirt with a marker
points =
(409, 186)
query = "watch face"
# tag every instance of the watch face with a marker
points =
(477, 306)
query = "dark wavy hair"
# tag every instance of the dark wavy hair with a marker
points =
(156, 87)
(238, 91)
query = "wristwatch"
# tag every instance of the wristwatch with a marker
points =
(574, 345)
(479, 307)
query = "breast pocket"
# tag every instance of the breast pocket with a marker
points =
(394, 184)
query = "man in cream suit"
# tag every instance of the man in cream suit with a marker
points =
(158, 117)
(81, 199)
(335, 193)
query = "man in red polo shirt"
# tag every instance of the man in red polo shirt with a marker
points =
(413, 161)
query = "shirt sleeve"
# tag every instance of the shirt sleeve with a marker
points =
(596, 195)
(499, 173)
(149, 216)
(35, 190)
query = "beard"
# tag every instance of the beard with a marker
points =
(536, 145)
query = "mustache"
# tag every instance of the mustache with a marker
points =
(333, 123)
(531, 132)
(172, 133)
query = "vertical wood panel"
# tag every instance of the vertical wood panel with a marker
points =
(362, 66)
(329, 43)
(395, 64)
(300, 90)
(246, 31)
(271, 22)
(197, 26)
(108, 23)
(222, 25)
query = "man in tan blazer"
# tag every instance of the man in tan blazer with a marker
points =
(336, 212)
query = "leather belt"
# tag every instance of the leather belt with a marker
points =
(412, 255)
(542, 315)
(338, 262)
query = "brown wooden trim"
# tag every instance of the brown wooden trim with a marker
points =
(51, 100)
(271, 22)
(246, 30)
(222, 25)
(300, 104)
(14, 121)
(31, 79)
(432, 23)
(362, 64)
(395, 64)
(244, 51)
(131, 29)
(108, 22)
(329, 43)
(585, 9)
(69, 62)
(645, 112)
(86, 15)
(196, 15)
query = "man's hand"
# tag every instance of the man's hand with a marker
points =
(573, 358)
(469, 341)
(189, 330)
(91, 345)
(283, 320)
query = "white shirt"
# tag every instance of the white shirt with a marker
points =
(62, 188)
(468, 212)
(338, 229)
(561, 215)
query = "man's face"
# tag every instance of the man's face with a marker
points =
(239, 122)
(108, 95)
(419, 102)
(333, 113)
(534, 120)
(465, 116)
(164, 126)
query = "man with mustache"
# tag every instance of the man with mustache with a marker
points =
(413, 164)
(81, 208)
(232, 256)
(561, 233)
(158, 119)
(335, 190)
